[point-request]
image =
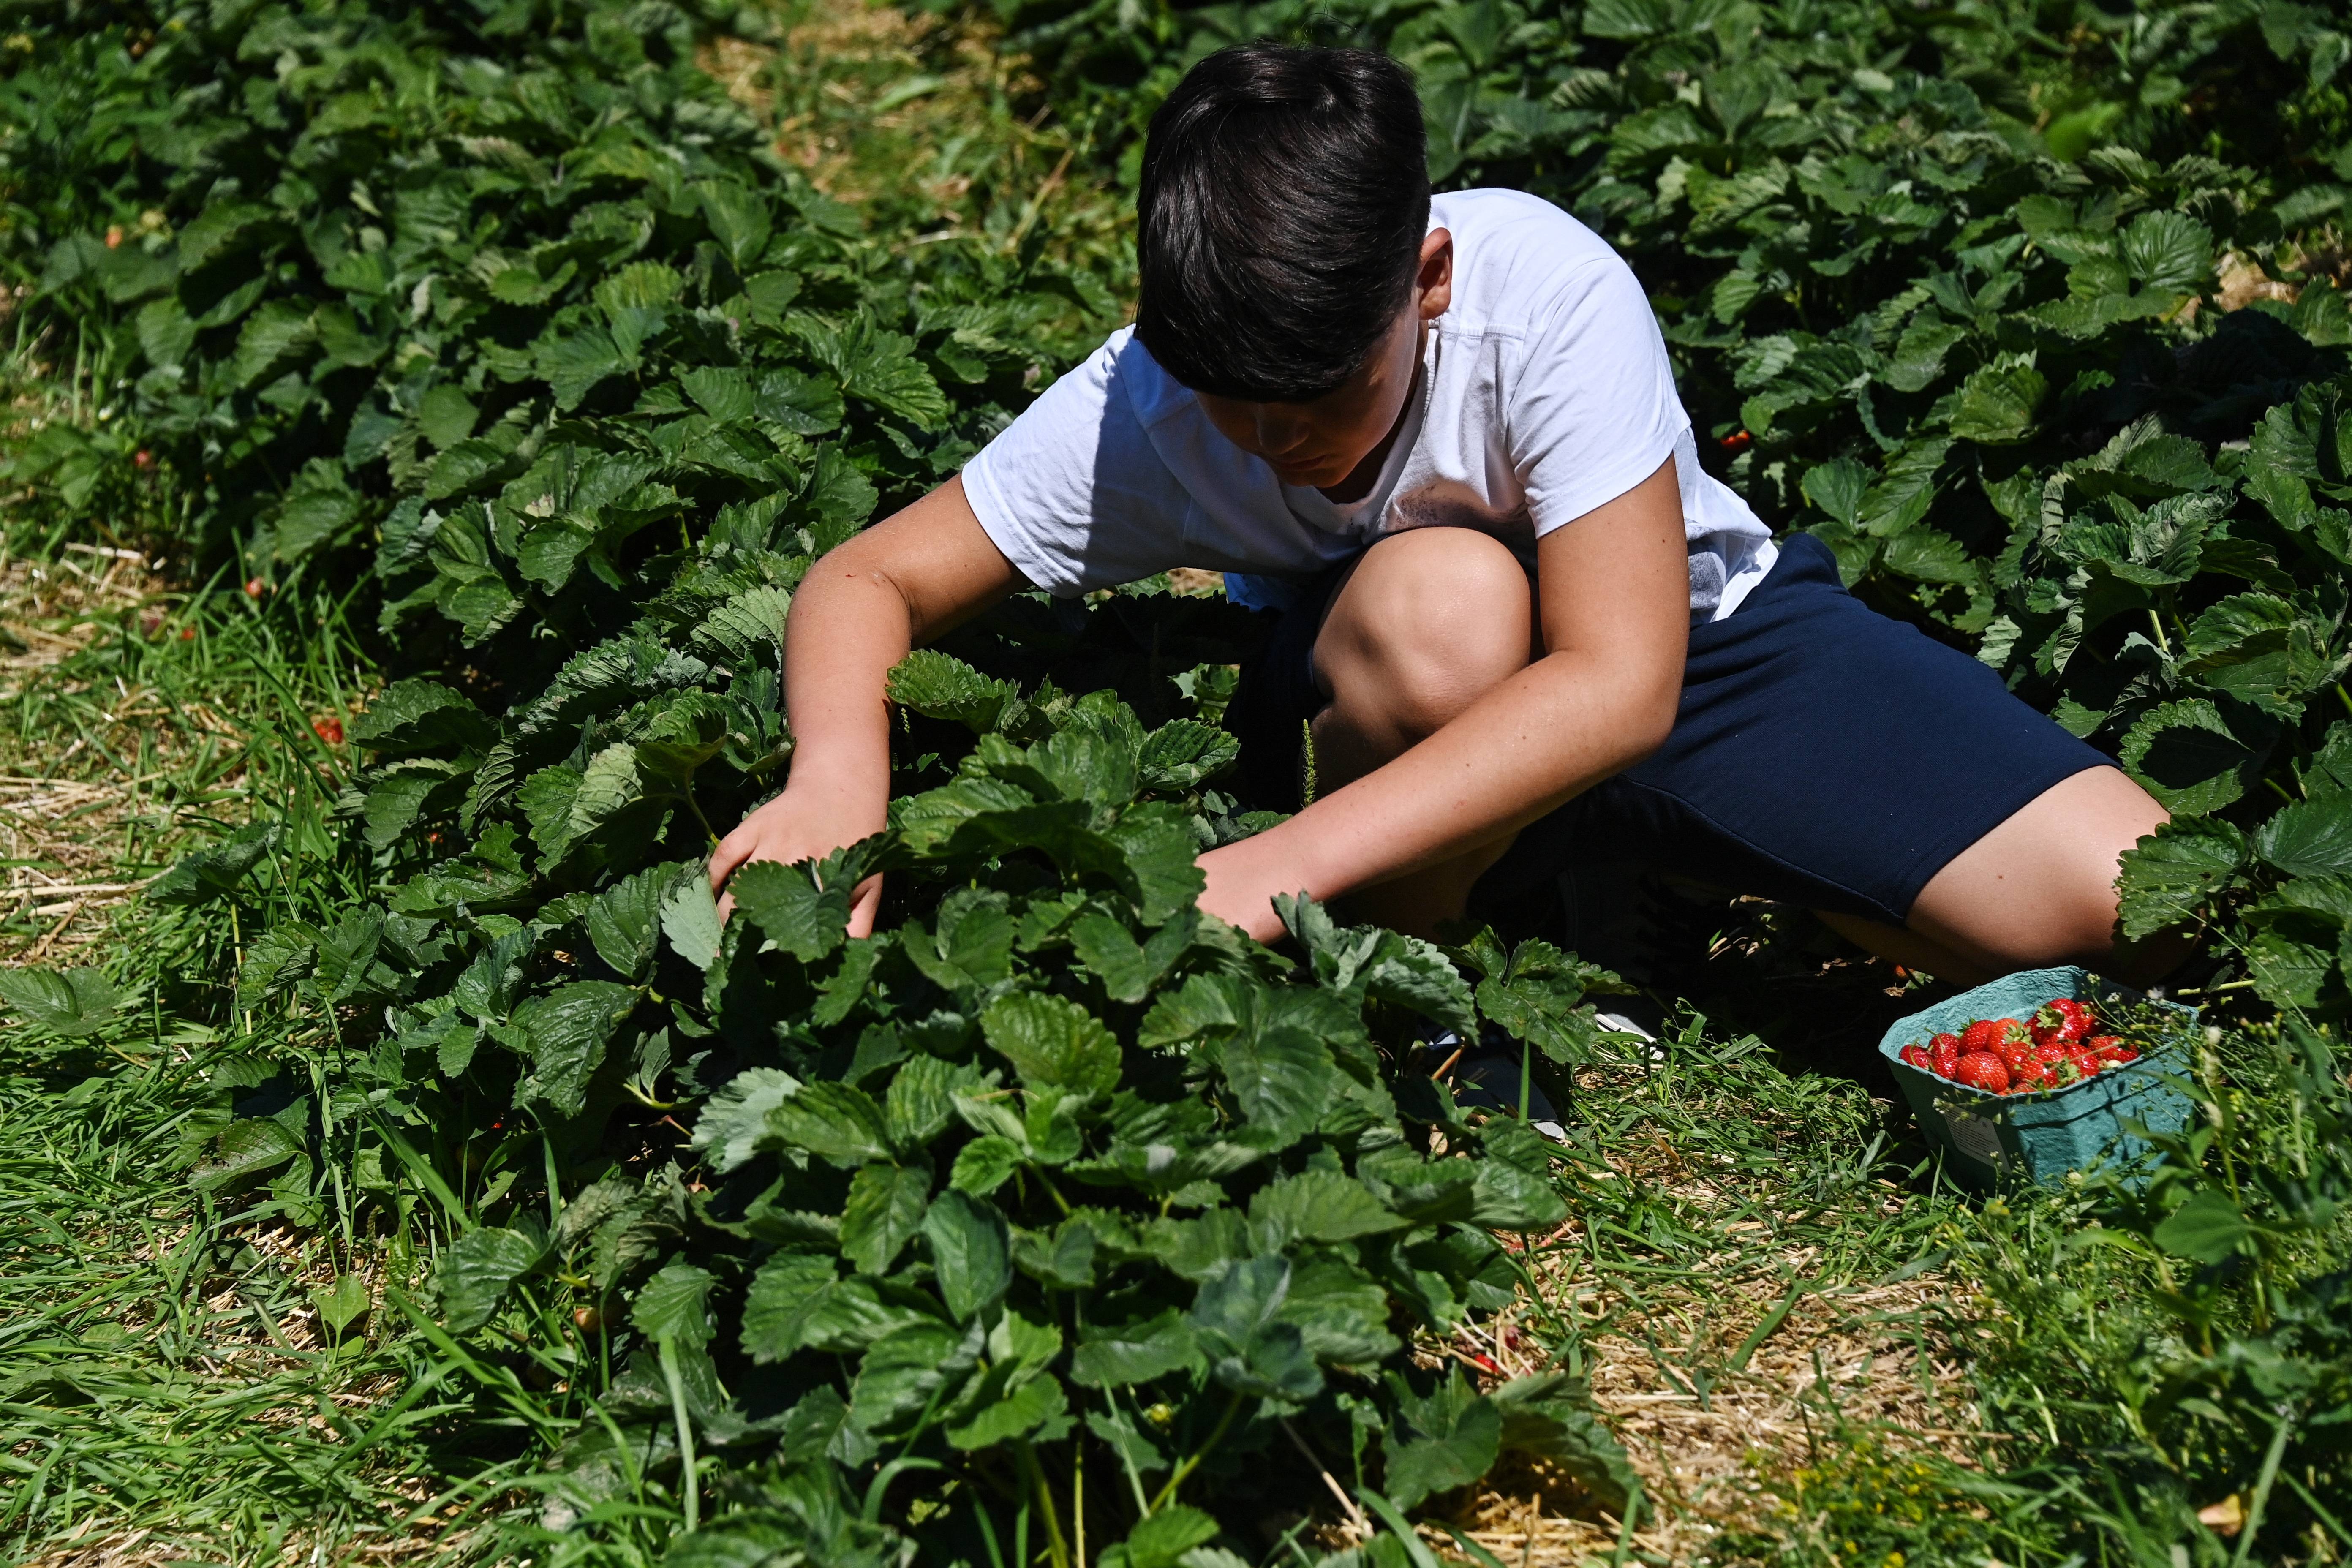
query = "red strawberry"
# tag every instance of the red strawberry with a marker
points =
(1917, 1057)
(2063, 1019)
(1943, 1053)
(329, 729)
(2034, 1075)
(1989, 1035)
(1984, 1070)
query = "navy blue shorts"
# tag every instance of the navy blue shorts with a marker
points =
(1823, 754)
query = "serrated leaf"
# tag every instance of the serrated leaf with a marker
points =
(1028, 1407)
(1316, 1205)
(970, 1252)
(1458, 1435)
(674, 1305)
(1121, 1355)
(1053, 1043)
(840, 1122)
(984, 1165)
(689, 918)
(413, 715)
(784, 901)
(2208, 1228)
(215, 872)
(1250, 1350)
(886, 1208)
(2308, 838)
(786, 1296)
(478, 1268)
(730, 1131)
(570, 1030)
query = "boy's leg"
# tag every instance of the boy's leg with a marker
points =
(1424, 624)
(2038, 889)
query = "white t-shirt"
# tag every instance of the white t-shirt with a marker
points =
(1545, 392)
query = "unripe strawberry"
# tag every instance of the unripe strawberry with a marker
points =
(1984, 1070)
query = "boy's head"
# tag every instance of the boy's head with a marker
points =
(1281, 222)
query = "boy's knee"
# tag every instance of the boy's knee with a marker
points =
(1430, 620)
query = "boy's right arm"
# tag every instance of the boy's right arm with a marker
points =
(898, 585)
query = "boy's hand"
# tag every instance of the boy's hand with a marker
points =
(1244, 877)
(793, 829)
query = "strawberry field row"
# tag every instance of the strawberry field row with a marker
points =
(507, 314)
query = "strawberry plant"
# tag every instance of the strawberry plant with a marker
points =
(1055, 1212)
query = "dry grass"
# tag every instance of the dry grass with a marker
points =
(65, 809)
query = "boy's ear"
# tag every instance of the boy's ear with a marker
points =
(1433, 287)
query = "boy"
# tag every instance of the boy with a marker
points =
(1441, 438)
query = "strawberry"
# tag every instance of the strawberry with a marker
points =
(1989, 1035)
(1984, 1070)
(1917, 1057)
(2062, 1019)
(1944, 1052)
(2034, 1075)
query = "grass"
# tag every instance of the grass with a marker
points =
(1816, 1352)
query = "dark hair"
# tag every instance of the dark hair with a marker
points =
(1285, 197)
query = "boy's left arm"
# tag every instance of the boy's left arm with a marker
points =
(1614, 595)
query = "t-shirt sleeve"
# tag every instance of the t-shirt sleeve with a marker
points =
(1593, 411)
(1074, 492)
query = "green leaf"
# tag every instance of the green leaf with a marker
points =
(786, 901)
(920, 1101)
(62, 1002)
(835, 1121)
(216, 872)
(2308, 838)
(1122, 1354)
(569, 1029)
(940, 686)
(1281, 1078)
(478, 1268)
(2167, 252)
(246, 1148)
(1459, 1435)
(1160, 1539)
(970, 1252)
(786, 1296)
(341, 1303)
(1053, 1043)
(1549, 1416)
(739, 219)
(905, 1371)
(1316, 1205)
(732, 1125)
(689, 918)
(410, 717)
(984, 1165)
(1342, 1314)
(674, 1305)
(885, 1210)
(1024, 1410)
(2208, 1228)
(345, 953)
(2192, 759)
(623, 920)
(1997, 404)
(1250, 1350)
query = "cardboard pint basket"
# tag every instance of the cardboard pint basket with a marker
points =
(2039, 1136)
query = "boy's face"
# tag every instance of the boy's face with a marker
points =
(1322, 443)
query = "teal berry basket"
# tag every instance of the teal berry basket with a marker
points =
(2038, 1137)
